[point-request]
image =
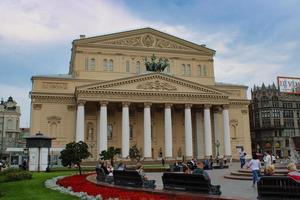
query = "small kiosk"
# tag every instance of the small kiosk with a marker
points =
(39, 148)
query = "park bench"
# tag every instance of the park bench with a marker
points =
(131, 178)
(189, 182)
(101, 176)
(278, 187)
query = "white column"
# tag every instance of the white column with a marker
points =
(125, 129)
(227, 145)
(103, 127)
(207, 131)
(199, 136)
(188, 131)
(80, 122)
(168, 132)
(217, 130)
(147, 131)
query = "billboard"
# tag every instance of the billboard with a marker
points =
(288, 84)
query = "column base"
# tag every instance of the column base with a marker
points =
(169, 158)
(187, 158)
(147, 159)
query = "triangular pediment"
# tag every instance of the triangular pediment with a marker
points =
(147, 38)
(152, 82)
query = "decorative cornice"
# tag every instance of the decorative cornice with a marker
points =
(36, 98)
(156, 85)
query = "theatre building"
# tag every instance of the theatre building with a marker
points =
(108, 98)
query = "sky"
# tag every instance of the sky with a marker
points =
(255, 41)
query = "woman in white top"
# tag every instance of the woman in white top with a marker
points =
(254, 165)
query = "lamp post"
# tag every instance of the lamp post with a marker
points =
(218, 146)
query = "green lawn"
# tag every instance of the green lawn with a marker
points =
(33, 189)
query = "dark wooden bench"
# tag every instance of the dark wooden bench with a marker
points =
(278, 187)
(101, 176)
(129, 178)
(189, 182)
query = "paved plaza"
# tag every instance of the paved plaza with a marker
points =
(230, 188)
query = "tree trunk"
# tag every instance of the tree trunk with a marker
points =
(79, 167)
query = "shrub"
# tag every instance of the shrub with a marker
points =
(16, 175)
(10, 170)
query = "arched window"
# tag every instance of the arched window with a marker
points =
(53, 129)
(90, 64)
(105, 65)
(110, 66)
(199, 70)
(188, 70)
(127, 66)
(183, 69)
(138, 67)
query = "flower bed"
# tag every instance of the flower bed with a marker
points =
(78, 183)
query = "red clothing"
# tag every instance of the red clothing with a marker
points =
(294, 175)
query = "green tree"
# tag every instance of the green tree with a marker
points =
(110, 154)
(134, 153)
(74, 153)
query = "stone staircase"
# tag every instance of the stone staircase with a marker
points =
(245, 174)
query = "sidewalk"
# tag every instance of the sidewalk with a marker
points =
(230, 188)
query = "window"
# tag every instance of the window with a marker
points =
(276, 113)
(138, 67)
(183, 69)
(127, 66)
(264, 101)
(108, 65)
(287, 143)
(90, 64)
(188, 70)
(199, 70)
(109, 131)
(287, 105)
(9, 124)
(288, 114)
(289, 123)
(277, 122)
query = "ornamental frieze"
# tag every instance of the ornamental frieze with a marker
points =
(55, 85)
(52, 99)
(156, 85)
(148, 40)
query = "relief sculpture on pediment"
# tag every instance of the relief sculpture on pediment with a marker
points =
(148, 40)
(156, 85)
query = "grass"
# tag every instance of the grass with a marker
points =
(33, 189)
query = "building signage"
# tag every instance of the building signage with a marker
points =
(289, 84)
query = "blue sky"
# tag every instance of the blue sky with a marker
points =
(255, 40)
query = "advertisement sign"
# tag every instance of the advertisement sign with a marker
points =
(289, 84)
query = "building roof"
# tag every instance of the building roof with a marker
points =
(230, 84)
(54, 76)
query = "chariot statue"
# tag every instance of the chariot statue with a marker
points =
(156, 66)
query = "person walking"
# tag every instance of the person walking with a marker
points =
(255, 166)
(242, 157)
(267, 159)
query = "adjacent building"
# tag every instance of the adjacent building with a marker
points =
(274, 118)
(109, 99)
(9, 130)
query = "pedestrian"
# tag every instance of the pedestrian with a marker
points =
(211, 162)
(293, 173)
(255, 166)
(163, 161)
(267, 159)
(242, 157)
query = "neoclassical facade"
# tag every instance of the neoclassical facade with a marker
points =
(109, 99)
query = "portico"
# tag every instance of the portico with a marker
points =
(159, 133)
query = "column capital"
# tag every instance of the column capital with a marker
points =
(225, 107)
(147, 104)
(103, 103)
(206, 106)
(81, 102)
(168, 105)
(217, 109)
(125, 104)
(188, 105)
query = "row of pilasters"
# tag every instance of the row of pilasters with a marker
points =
(102, 131)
